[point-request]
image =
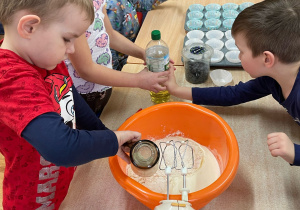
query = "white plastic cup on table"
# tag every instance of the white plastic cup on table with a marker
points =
(220, 77)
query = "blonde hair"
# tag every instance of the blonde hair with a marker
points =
(47, 10)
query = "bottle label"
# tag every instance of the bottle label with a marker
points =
(158, 64)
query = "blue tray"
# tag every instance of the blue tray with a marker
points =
(203, 28)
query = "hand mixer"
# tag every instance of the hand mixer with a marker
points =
(179, 148)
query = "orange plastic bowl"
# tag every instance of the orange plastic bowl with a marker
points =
(194, 122)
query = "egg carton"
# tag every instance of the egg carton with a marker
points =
(224, 62)
(213, 13)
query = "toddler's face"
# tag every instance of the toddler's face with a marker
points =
(52, 42)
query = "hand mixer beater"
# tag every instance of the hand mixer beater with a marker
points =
(180, 157)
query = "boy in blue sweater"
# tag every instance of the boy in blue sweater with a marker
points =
(267, 35)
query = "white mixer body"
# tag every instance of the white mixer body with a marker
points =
(174, 205)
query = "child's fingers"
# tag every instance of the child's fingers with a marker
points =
(271, 141)
(272, 135)
(171, 70)
(163, 74)
(277, 135)
(158, 88)
(274, 146)
(275, 152)
(124, 156)
(161, 80)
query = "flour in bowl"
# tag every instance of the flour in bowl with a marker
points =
(204, 168)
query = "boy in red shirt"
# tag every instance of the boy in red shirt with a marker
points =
(39, 104)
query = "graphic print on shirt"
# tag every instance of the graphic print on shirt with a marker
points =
(49, 173)
(101, 42)
(98, 3)
(62, 97)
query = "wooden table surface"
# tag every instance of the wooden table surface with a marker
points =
(262, 181)
(169, 18)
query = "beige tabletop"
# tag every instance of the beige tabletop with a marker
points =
(169, 18)
(262, 181)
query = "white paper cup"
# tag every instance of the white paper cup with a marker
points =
(195, 34)
(191, 41)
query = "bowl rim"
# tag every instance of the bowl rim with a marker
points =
(205, 195)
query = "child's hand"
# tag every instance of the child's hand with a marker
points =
(152, 80)
(171, 61)
(123, 137)
(280, 145)
(171, 82)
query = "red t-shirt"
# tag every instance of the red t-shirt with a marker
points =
(26, 91)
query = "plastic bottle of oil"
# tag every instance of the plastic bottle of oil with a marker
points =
(157, 59)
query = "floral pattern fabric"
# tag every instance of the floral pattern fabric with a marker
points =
(98, 41)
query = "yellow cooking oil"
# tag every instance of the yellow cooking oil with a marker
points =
(160, 97)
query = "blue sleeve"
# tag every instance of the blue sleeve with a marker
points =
(297, 155)
(231, 95)
(64, 146)
(85, 117)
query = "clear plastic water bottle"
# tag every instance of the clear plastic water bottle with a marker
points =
(157, 59)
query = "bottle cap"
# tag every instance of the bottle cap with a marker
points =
(155, 35)
(144, 154)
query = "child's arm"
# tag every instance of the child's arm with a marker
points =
(93, 72)
(64, 146)
(175, 89)
(280, 145)
(223, 96)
